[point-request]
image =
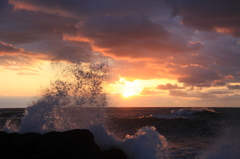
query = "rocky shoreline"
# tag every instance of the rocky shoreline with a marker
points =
(78, 143)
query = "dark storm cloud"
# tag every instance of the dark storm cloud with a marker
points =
(85, 9)
(114, 26)
(133, 36)
(218, 15)
(24, 31)
(23, 27)
(168, 86)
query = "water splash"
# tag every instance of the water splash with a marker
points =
(78, 85)
(12, 124)
(75, 100)
(145, 143)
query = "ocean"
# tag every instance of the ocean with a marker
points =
(142, 133)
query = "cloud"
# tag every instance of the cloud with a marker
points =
(179, 93)
(27, 27)
(15, 58)
(141, 38)
(216, 15)
(139, 69)
(195, 75)
(220, 92)
(147, 91)
(131, 36)
(83, 9)
(4, 47)
(17, 62)
(38, 6)
(233, 86)
(168, 86)
(33, 33)
(234, 97)
(11, 50)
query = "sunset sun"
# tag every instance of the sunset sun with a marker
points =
(130, 88)
(128, 93)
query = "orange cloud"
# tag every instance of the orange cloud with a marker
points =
(27, 5)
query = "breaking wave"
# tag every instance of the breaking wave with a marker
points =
(184, 112)
(145, 143)
(187, 113)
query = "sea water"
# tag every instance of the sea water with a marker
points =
(146, 133)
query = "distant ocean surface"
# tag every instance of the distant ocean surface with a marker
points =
(175, 133)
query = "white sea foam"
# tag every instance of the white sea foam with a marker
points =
(11, 126)
(146, 143)
(184, 112)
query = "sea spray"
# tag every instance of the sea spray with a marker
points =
(76, 100)
(78, 86)
(12, 123)
(146, 143)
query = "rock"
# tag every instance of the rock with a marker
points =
(114, 154)
(70, 144)
(78, 143)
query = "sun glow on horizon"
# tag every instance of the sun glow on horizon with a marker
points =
(130, 88)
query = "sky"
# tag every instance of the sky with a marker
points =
(162, 53)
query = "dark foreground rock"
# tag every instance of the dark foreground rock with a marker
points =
(71, 144)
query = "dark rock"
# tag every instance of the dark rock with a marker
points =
(69, 144)
(114, 154)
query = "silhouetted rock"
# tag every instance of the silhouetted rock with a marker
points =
(69, 144)
(114, 154)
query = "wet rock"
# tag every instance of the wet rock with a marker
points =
(78, 143)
